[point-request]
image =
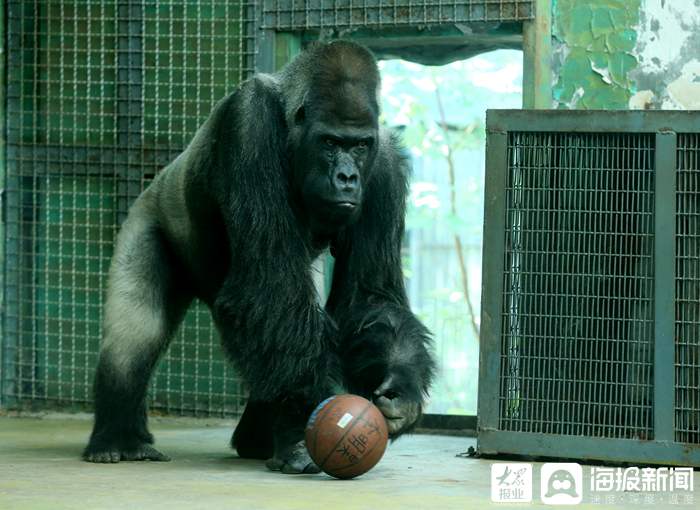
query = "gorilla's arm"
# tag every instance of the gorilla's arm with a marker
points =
(384, 347)
(276, 333)
(278, 337)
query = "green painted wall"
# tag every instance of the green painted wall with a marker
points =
(596, 56)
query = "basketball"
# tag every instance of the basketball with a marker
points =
(346, 436)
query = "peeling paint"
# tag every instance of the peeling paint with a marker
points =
(668, 44)
(603, 71)
(598, 36)
(578, 94)
(686, 89)
(662, 34)
(618, 54)
(641, 100)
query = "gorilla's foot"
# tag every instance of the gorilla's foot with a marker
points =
(293, 460)
(112, 454)
(254, 451)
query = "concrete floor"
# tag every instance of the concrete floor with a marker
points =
(40, 468)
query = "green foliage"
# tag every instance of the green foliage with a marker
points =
(465, 89)
(441, 111)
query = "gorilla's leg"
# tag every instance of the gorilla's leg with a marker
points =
(282, 344)
(291, 456)
(274, 432)
(143, 309)
(253, 437)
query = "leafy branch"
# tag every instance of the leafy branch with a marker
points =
(453, 201)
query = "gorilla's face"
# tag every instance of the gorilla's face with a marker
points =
(333, 164)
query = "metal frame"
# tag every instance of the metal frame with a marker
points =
(664, 126)
(3, 167)
(537, 58)
(348, 14)
(126, 159)
(387, 29)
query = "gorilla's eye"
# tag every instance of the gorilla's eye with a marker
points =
(361, 145)
(330, 143)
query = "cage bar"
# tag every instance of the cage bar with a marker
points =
(687, 312)
(590, 318)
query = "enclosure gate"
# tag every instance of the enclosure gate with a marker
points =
(100, 96)
(590, 341)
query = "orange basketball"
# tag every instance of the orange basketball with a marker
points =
(346, 436)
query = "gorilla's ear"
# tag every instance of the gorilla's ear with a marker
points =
(301, 112)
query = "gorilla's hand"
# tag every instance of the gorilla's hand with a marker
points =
(401, 412)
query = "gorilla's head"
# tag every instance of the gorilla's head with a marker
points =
(331, 93)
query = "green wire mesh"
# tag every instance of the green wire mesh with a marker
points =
(101, 95)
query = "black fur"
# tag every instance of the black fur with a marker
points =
(284, 167)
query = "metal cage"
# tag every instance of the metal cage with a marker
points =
(314, 14)
(591, 284)
(101, 95)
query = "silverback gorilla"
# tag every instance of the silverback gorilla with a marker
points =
(287, 166)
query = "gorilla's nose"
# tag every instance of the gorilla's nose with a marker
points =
(346, 179)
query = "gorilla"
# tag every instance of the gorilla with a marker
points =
(286, 167)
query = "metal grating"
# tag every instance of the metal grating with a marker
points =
(101, 95)
(316, 14)
(590, 340)
(579, 233)
(688, 289)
